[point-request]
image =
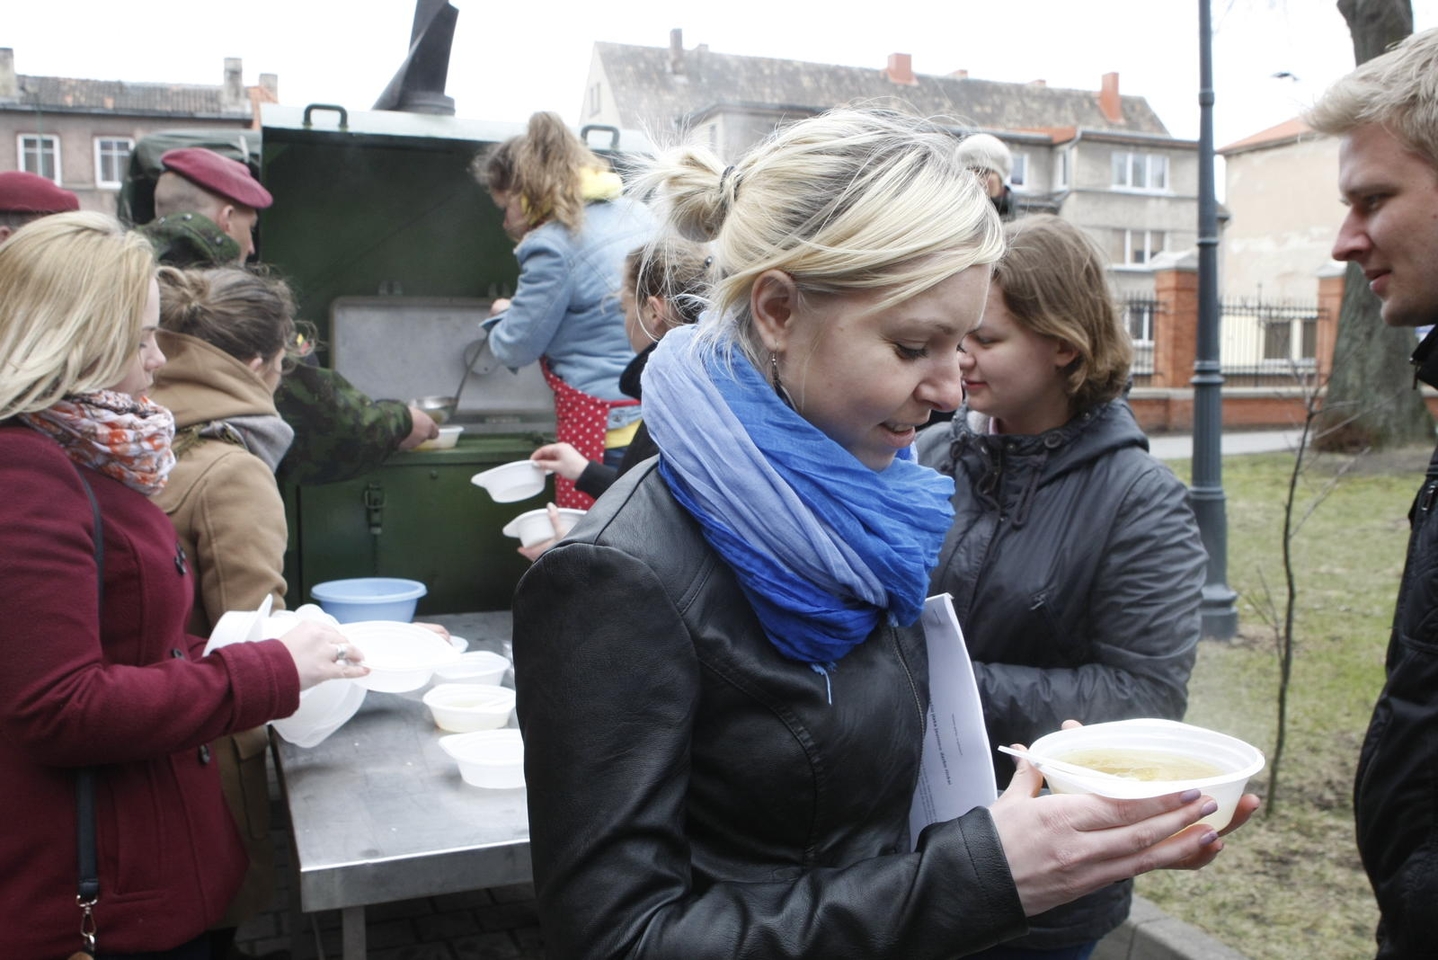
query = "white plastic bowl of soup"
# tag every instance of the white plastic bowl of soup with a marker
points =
(1150, 758)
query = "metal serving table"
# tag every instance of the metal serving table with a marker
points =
(379, 812)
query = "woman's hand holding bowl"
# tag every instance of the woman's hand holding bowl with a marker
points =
(322, 653)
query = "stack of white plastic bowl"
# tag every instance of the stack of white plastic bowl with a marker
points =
(400, 656)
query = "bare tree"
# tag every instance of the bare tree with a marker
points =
(1379, 353)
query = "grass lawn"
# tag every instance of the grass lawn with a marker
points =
(1289, 885)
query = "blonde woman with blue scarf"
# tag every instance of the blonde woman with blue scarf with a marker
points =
(722, 682)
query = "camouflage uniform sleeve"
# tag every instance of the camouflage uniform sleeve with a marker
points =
(339, 432)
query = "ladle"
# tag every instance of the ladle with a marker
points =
(469, 360)
(1062, 766)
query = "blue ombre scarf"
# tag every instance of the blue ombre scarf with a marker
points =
(822, 545)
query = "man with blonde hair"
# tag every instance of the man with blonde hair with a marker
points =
(1386, 114)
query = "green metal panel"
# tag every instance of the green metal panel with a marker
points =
(418, 517)
(357, 216)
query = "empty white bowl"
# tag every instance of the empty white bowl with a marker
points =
(448, 437)
(509, 482)
(477, 666)
(401, 656)
(462, 707)
(488, 758)
(1153, 742)
(534, 527)
(459, 643)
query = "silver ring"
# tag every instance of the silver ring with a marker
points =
(341, 652)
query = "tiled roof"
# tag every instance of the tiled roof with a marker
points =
(66, 95)
(647, 92)
(1286, 132)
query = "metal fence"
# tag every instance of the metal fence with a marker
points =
(1261, 343)
(1266, 343)
(1140, 317)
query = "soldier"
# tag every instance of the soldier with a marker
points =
(206, 206)
(28, 196)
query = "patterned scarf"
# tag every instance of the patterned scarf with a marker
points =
(125, 438)
(821, 544)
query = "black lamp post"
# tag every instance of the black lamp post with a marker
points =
(1220, 614)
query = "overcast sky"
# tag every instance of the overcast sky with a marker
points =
(506, 63)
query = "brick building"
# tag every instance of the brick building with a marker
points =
(79, 133)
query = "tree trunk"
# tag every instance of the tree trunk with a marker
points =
(1363, 405)
(1376, 25)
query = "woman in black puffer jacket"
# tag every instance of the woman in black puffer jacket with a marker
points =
(1074, 559)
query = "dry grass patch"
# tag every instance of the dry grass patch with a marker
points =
(1289, 886)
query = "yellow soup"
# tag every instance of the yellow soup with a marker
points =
(1144, 764)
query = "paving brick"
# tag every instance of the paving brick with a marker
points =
(389, 933)
(468, 900)
(507, 916)
(423, 951)
(531, 944)
(490, 946)
(446, 925)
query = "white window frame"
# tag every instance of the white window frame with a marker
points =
(1124, 163)
(1147, 246)
(1019, 172)
(1063, 167)
(596, 99)
(120, 158)
(38, 150)
(1140, 315)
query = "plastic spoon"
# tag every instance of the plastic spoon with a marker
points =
(1062, 766)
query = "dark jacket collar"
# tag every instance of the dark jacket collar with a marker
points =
(1425, 360)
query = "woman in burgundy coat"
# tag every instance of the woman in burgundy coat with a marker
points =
(109, 679)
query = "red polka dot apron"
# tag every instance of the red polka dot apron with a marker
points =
(581, 421)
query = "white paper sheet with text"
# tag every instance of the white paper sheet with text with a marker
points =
(956, 773)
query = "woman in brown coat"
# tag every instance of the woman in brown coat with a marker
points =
(225, 332)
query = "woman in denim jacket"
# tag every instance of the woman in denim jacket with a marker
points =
(564, 206)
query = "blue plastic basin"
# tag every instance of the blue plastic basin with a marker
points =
(369, 598)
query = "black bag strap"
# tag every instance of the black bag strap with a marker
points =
(89, 888)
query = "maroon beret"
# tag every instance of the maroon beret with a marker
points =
(22, 192)
(228, 178)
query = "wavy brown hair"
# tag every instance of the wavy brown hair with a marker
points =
(543, 165)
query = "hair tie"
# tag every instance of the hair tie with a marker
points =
(725, 176)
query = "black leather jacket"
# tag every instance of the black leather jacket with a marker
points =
(695, 795)
(1393, 798)
(1077, 569)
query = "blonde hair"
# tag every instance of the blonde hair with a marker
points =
(672, 269)
(1054, 281)
(1398, 91)
(846, 201)
(543, 165)
(73, 291)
